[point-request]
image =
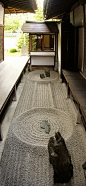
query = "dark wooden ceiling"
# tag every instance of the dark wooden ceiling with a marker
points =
(19, 6)
(56, 8)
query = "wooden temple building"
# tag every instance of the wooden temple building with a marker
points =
(45, 35)
(71, 63)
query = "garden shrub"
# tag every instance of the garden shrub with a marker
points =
(13, 50)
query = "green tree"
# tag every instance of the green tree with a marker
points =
(13, 24)
(23, 39)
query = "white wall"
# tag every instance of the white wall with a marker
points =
(10, 42)
(59, 48)
(42, 60)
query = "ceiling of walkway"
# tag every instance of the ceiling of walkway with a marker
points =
(19, 6)
(55, 8)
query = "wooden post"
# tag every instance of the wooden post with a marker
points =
(43, 43)
(3, 43)
(62, 77)
(0, 133)
(14, 94)
(84, 14)
(68, 90)
(29, 43)
(56, 51)
(78, 115)
(22, 76)
(31, 46)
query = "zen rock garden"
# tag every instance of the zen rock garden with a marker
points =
(60, 159)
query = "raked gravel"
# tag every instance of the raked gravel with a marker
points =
(25, 159)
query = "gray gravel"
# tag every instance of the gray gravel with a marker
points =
(25, 159)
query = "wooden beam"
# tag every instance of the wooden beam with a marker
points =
(84, 13)
(43, 43)
(31, 45)
(14, 10)
(3, 43)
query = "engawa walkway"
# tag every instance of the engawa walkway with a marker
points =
(10, 71)
(77, 85)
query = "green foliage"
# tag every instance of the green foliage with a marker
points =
(13, 50)
(13, 24)
(23, 39)
(34, 42)
(20, 41)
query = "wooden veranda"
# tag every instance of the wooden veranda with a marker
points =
(76, 85)
(10, 72)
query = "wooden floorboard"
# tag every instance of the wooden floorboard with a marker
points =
(10, 71)
(77, 85)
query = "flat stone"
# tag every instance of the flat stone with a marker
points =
(45, 125)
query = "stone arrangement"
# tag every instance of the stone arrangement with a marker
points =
(60, 159)
(47, 72)
(25, 159)
(42, 76)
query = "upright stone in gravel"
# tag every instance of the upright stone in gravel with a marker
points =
(60, 159)
(47, 72)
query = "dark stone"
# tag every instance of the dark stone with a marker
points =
(42, 76)
(60, 159)
(84, 166)
(47, 72)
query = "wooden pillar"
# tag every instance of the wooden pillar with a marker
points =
(43, 43)
(84, 13)
(0, 133)
(56, 51)
(22, 76)
(54, 42)
(31, 45)
(78, 115)
(3, 43)
(68, 90)
(14, 94)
